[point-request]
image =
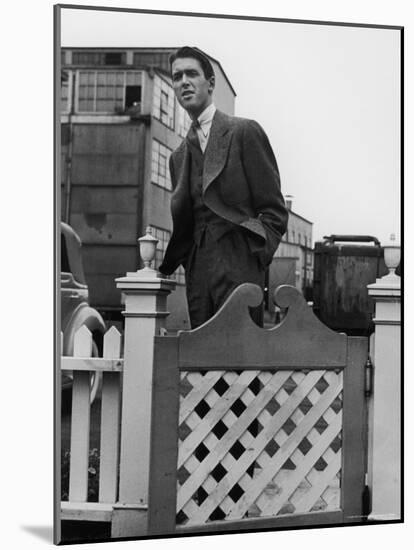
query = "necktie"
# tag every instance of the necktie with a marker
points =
(192, 136)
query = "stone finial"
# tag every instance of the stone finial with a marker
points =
(392, 254)
(147, 248)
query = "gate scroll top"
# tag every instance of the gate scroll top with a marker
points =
(232, 339)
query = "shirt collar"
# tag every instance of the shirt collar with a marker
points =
(207, 115)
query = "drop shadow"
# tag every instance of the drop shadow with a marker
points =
(43, 532)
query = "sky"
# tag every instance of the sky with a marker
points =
(327, 96)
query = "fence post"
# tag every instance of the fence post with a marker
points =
(384, 460)
(145, 294)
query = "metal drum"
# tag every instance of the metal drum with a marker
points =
(344, 266)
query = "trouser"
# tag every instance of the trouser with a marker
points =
(215, 268)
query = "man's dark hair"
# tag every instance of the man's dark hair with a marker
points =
(187, 51)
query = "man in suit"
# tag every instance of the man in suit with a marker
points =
(227, 208)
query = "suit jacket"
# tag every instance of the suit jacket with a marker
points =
(241, 184)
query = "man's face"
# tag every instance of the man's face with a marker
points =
(193, 90)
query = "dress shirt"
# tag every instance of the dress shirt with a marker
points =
(204, 124)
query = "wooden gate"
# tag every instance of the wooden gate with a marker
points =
(254, 428)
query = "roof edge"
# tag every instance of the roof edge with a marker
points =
(155, 48)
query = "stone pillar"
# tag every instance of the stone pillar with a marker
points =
(384, 454)
(145, 294)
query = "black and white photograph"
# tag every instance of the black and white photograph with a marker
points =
(203, 284)
(228, 225)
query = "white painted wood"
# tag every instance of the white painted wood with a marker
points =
(324, 481)
(272, 387)
(286, 449)
(186, 491)
(97, 364)
(384, 453)
(198, 392)
(214, 414)
(86, 511)
(257, 486)
(80, 423)
(145, 310)
(332, 497)
(272, 487)
(136, 409)
(110, 421)
(82, 345)
(274, 506)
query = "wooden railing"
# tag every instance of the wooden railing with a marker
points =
(82, 365)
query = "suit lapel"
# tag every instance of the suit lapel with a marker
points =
(217, 149)
(181, 165)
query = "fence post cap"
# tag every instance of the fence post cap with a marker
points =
(145, 279)
(389, 285)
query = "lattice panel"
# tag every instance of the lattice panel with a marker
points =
(258, 443)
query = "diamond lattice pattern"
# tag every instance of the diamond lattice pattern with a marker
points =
(258, 443)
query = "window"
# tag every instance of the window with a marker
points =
(98, 58)
(160, 173)
(66, 91)
(114, 58)
(108, 91)
(132, 96)
(183, 121)
(152, 59)
(86, 58)
(163, 103)
(163, 237)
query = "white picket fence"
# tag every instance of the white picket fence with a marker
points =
(83, 365)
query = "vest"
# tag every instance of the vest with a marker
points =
(205, 220)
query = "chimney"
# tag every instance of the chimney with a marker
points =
(288, 200)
